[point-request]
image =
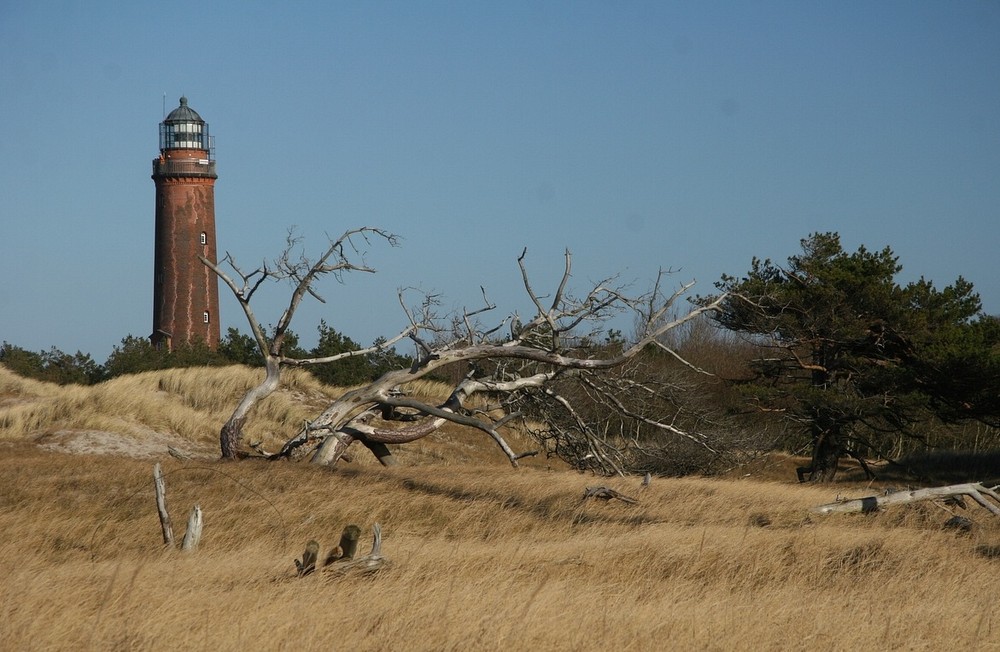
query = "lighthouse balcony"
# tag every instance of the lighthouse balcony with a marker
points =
(192, 167)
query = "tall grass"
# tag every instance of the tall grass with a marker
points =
(483, 556)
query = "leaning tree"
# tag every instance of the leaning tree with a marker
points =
(854, 359)
(512, 362)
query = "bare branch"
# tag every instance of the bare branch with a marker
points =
(243, 295)
(375, 348)
(677, 356)
(313, 271)
(447, 413)
(557, 299)
(622, 409)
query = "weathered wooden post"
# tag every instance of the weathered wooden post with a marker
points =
(192, 537)
(194, 525)
(161, 506)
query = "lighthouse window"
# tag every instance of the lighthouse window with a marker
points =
(184, 136)
(205, 316)
(185, 139)
(204, 238)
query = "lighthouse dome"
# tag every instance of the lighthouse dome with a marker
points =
(183, 113)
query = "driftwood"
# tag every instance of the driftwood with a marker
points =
(987, 497)
(161, 506)
(605, 493)
(178, 453)
(192, 537)
(308, 561)
(193, 534)
(348, 546)
(370, 563)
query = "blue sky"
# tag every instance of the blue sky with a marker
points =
(639, 135)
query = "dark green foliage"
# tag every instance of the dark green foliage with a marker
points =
(240, 348)
(52, 366)
(290, 347)
(137, 354)
(351, 370)
(195, 354)
(852, 357)
(961, 372)
(134, 355)
(21, 361)
(344, 372)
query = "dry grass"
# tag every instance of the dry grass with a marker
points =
(485, 557)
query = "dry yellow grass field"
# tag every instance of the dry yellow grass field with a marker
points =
(483, 556)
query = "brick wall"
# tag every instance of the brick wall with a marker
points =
(185, 290)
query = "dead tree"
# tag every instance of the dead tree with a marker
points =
(505, 358)
(303, 274)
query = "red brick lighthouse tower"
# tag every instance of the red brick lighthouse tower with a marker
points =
(185, 291)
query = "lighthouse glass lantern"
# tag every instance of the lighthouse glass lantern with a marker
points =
(183, 128)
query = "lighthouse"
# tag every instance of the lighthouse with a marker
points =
(185, 291)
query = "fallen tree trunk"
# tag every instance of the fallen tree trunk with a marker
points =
(987, 497)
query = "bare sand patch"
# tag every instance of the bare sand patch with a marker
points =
(146, 445)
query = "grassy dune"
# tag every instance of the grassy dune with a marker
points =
(483, 556)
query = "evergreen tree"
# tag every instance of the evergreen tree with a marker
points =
(134, 355)
(851, 356)
(354, 369)
(240, 348)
